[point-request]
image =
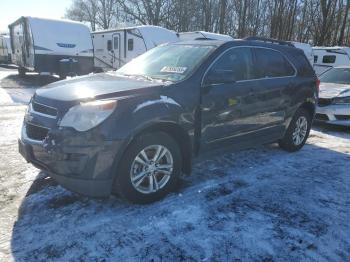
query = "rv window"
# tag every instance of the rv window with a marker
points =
(109, 45)
(328, 59)
(315, 58)
(130, 44)
(116, 42)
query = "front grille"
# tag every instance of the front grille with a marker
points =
(321, 117)
(324, 101)
(342, 117)
(44, 109)
(36, 132)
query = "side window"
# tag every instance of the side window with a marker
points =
(315, 58)
(238, 61)
(116, 42)
(109, 45)
(270, 63)
(130, 44)
(328, 59)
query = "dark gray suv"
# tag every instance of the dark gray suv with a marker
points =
(136, 130)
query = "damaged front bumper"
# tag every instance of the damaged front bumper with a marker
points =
(83, 163)
(333, 114)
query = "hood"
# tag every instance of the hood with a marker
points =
(95, 86)
(332, 90)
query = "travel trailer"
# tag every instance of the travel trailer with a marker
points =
(114, 48)
(187, 36)
(5, 49)
(327, 57)
(49, 46)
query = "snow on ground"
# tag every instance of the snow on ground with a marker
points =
(262, 204)
(259, 204)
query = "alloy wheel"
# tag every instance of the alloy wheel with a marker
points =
(151, 169)
(300, 130)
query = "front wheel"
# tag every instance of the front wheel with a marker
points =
(149, 169)
(297, 132)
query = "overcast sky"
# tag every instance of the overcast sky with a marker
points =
(11, 10)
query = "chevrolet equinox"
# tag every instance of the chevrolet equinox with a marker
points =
(134, 131)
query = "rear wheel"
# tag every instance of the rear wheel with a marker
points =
(297, 132)
(150, 168)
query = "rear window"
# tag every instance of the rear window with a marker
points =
(271, 63)
(303, 65)
(329, 59)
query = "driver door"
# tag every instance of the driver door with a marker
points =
(229, 109)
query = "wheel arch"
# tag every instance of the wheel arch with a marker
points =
(173, 130)
(310, 107)
(179, 135)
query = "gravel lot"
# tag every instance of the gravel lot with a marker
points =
(262, 204)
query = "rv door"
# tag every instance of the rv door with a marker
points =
(116, 51)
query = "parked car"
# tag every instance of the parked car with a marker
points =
(135, 131)
(334, 101)
(48, 46)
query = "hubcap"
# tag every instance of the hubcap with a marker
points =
(151, 169)
(300, 130)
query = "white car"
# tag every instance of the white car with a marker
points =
(334, 97)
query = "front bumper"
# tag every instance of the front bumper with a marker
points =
(333, 114)
(84, 164)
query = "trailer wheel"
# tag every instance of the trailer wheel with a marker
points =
(21, 71)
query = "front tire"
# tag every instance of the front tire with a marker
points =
(297, 132)
(149, 169)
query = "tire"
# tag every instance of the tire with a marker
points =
(138, 190)
(297, 133)
(21, 71)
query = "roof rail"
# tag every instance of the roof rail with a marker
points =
(268, 40)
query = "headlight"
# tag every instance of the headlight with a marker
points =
(85, 116)
(341, 100)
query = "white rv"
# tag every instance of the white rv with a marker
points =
(114, 48)
(187, 36)
(51, 46)
(5, 49)
(328, 57)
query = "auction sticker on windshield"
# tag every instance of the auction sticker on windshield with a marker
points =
(174, 69)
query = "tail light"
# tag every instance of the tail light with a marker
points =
(318, 84)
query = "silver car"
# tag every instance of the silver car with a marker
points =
(334, 97)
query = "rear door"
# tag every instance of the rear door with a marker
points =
(274, 87)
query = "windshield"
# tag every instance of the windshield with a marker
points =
(336, 75)
(167, 62)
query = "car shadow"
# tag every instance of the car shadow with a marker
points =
(334, 130)
(258, 203)
(30, 80)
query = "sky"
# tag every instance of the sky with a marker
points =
(11, 10)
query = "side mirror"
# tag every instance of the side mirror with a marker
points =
(219, 77)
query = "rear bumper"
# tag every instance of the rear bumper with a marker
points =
(87, 170)
(334, 114)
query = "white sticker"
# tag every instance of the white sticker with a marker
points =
(174, 69)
